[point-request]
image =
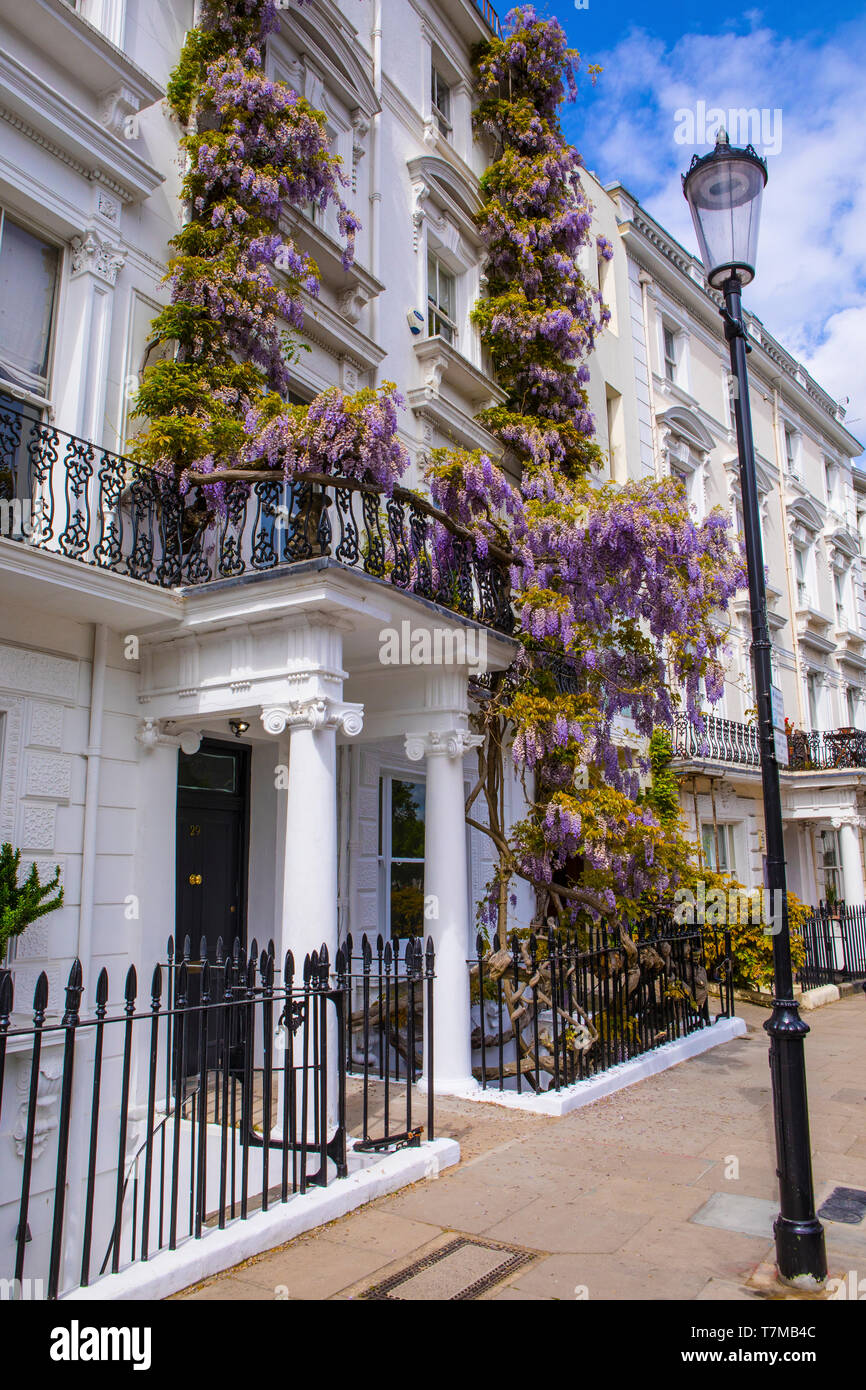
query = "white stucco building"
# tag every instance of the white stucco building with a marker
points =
(662, 396)
(196, 725)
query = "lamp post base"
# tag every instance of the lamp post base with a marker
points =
(799, 1250)
(801, 1259)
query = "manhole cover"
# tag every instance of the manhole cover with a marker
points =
(846, 1204)
(463, 1269)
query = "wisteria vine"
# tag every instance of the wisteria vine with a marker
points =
(253, 149)
(614, 589)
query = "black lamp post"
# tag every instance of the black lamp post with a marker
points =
(723, 190)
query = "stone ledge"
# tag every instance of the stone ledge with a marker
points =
(173, 1270)
(615, 1079)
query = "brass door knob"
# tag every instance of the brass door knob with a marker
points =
(195, 880)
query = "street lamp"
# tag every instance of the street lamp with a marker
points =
(723, 190)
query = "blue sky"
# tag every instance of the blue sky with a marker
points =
(804, 65)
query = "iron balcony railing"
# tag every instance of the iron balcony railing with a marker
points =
(66, 495)
(729, 741)
(813, 750)
(720, 740)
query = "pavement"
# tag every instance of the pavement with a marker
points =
(666, 1190)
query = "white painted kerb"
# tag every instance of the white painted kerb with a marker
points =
(173, 1270)
(625, 1074)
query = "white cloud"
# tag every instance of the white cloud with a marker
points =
(811, 285)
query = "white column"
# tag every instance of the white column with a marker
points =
(309, 917)
(446, 891)
(852, 868)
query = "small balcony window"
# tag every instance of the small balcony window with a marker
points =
(441, 301)
(717, 843)
(841, 607)
(831, 863)
(792, 452)
(440, 97)
(28, 292)
(671, 355)
(853, 706)
(800, 573)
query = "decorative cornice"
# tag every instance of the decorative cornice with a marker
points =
(45, 116)
(452, 743)
(319, 712)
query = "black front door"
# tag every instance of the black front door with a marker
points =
(212, 821)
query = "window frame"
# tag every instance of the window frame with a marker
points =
(434, 312)
(442, 115)
(385, 857)
(832, 871)
(670, 363)
(726, 840)
(38, 401)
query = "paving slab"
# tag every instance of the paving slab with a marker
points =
(605, 1198)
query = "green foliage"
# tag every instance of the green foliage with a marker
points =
(752, 944)
(22, 903)
(663, 794)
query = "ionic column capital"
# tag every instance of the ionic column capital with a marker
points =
(315, 713)
(450, 743)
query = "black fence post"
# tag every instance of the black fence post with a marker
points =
(430, 974)
(69, 1022)
(101, 1009)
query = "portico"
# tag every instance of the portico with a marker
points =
(299, 662)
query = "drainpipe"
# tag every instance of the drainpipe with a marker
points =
(375, 190)
(77, 1170)
(645, 282)
(83, 944)
(789, 578)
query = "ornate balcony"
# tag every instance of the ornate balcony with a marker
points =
(730, 741)
(815, 750)
(720, 741)
(70, 497)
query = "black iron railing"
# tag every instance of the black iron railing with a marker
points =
(148, 1123)
(730, 741)
(389, 1027)
(835, 940)
(66, 495)
(719, 740)
(558, 1008)
(813, 750)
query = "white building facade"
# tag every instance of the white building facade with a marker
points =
(663, 397)
(199, 727)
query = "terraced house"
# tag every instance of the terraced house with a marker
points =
(198, 724)
(669, 412)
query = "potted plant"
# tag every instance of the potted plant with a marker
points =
(22, 903)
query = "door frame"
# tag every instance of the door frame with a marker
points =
(208, 798)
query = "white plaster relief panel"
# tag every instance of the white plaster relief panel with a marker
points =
(48, 774)
(34, 942)
(37, 673)
(46, 725)
(37, 827)
(10, 761)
